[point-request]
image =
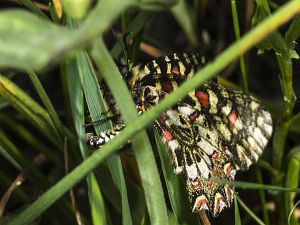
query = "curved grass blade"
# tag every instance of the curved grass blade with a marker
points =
(59, 129)
(96, 106)
(28, 108)
(141, 145)
(77, 106)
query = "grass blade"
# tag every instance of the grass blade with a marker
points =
(141, 145)
(76, 95)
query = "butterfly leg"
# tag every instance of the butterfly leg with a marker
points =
(97, 141)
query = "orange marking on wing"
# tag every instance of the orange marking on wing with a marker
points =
(209, 183)
(202, 98)
(175, 70)
(168, 136)
(232, 118)
(215, 156)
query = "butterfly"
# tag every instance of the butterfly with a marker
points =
(211, 134)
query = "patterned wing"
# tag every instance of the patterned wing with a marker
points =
(221, 132)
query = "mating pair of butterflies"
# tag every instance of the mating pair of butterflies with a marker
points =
(210, 134)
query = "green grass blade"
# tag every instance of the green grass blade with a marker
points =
(136, 25)
(238, 36)
(96, 106)
(47, 43)
(252, 214)
(5, 152)
(293, 220)
(263, 200)
(237, 217)
(18, 159)
(28, 108)
(59, 130)
(185, 18)
(292, 180)
(77, 103)
(250, 39)
(28, 137)
(293, 32)
(141, 145)
(249, 185)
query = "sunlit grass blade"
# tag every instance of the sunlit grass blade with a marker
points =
(291, 219)
(77, 106)
(141, 145)
(96, 107)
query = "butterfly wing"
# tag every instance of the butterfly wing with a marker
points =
(212, 135)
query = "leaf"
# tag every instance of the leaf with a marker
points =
(293, 32)
(27, 41)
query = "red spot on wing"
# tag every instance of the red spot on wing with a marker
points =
(175, 70)
(209, 183)
(168, 136)
(196, 184)
(215, 156)
(232, 118)
(203, 98)
(167, 86)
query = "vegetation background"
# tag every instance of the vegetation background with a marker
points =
(51, 58)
